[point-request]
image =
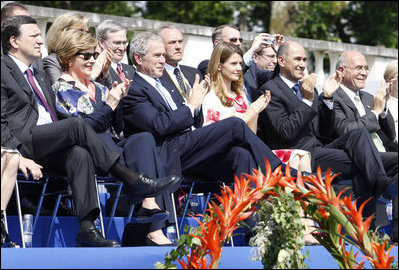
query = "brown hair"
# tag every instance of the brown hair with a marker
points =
(221, 53)
(71, 42)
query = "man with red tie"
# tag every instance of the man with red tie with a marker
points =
(111, 36)
(30, 125)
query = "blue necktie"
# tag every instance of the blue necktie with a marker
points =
(297, 90)
(166, 96)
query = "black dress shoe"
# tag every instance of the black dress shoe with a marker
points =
(91, 237)
(145, 215)
(148, 187)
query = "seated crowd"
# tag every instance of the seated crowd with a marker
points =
(81, 111)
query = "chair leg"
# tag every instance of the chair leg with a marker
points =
(101, 214)
(39, 206)
(175, 215)
(21, 229)
(57, 205)
(186, 206)
(111, 218)
(129, 217)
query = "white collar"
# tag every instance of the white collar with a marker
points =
(288, 82)
(351, 94)
(148, 79)
(170, 68)
(21, 65)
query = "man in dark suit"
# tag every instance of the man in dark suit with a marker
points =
(358, 109)
(254, 77)
(219, 150)
(181, 76)
(111, 36)
(297, 118)
(30, 125)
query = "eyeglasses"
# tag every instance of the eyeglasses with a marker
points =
(273, 56)
(235, 39)
(87, 55)
(359, 68)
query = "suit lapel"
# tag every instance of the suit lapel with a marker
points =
(21, 80)
(188, 74)
(346, 100)
(151, 91)
(114, 76)
(128, 71)
(367, 102)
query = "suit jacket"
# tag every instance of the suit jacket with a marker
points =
(189, 73)
(347, 118)
(19, 109)
(254, 78)
(113, 76)
(288, 122)
(52, 67)
(144, 109)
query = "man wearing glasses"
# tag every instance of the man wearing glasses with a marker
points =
(359, 109)
(111, 36)
(265, 59)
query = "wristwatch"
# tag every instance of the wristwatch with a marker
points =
(328, 98)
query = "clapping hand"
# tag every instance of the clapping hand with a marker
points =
(308, 85)
(117, 92)
(199, 91)
(381, 98)
(332, 84)
(102, 64)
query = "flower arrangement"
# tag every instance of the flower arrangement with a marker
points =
(336, 216)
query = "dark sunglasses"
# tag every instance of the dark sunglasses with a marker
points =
(87, 55)
(235, 39)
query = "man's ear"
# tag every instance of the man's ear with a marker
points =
(101, 43)
(138, 59)
(14, 42)
(280, 61)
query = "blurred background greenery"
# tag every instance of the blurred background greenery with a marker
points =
(373, 23)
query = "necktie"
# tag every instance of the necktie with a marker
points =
(374, 136)
(180, 80)
(297, 90)
(39, 94)
(120, 73)
(166, 96)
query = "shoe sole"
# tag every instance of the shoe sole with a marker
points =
(154, 218)
(138, 198)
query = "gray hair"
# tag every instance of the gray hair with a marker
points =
(139, 44)
(342, 61)
(167, 26)
(108, 26)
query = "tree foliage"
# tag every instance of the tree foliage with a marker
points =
(363, 22)
(120, 8)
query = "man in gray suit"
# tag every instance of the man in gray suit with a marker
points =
(358, 109)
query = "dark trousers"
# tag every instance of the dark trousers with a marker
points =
(139, 152)
(355, 156)
(73, 148)
(223, 149)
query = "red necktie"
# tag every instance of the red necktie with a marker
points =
(40, 95)
(120, 73)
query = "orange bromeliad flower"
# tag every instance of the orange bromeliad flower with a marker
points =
(383, 260)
